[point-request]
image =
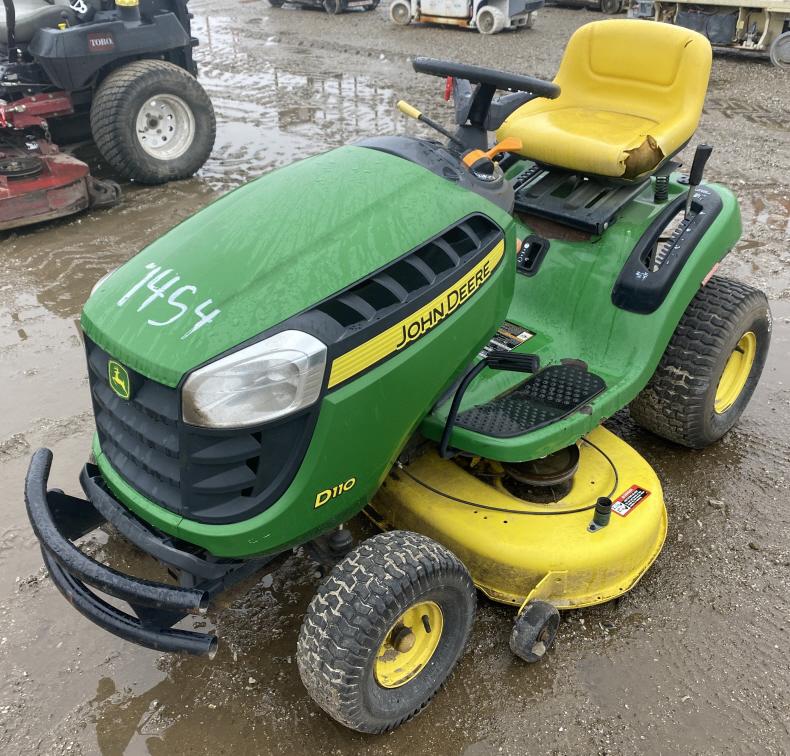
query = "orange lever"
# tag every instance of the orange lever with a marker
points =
(509, 144)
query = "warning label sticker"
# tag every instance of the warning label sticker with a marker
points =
(508, 337)
(627, 501)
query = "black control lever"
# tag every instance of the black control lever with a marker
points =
(701, 156)
(517, 363)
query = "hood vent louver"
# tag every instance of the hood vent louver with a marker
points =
(407, 278)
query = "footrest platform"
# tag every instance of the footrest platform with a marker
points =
(550, 395)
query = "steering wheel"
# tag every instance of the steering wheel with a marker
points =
(487, 77)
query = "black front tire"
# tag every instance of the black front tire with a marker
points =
(359, 606)
(333, 7)
(534, 631)
(120, 100)
(679, 402)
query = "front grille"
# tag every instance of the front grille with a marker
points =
(212, 476)
(140, 435)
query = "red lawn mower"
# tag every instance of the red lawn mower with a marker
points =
(118, 71)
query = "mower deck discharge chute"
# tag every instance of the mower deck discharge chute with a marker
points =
(438, 346)
(110, 70)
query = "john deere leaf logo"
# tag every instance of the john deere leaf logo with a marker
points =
(119, 379)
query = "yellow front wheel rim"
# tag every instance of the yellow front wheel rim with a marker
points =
(736, 372)
(409, 644)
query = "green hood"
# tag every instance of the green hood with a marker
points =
(265, 252)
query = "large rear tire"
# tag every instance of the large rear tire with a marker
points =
(710, 367)
(153, 122)
(385, 630)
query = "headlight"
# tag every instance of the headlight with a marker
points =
(101, 281)
(262, 382)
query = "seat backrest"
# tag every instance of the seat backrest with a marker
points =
(644, 68)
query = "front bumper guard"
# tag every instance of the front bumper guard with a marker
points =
(59, 519)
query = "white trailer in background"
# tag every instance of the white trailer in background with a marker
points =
(763, 26)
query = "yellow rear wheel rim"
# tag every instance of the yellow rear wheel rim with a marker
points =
(736, 372)
(409, 644)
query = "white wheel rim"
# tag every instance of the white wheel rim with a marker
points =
(782, 51)
(485, 21)
(400, 12)
(165, 127)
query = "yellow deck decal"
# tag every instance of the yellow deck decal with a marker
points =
(415, 325)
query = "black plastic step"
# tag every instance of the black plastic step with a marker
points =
(585, 203)
(550, 395)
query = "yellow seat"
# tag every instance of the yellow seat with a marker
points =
(632, 95)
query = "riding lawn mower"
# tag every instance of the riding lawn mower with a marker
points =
(432, 333)
(118, 71)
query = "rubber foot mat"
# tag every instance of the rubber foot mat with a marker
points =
(550, 395)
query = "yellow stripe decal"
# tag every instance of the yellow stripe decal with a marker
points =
(415, 325)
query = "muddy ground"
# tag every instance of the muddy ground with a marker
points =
(694, 660)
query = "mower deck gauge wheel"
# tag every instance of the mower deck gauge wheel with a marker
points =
(534, 631)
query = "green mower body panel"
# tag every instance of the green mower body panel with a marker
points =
(265, 252)
(253, 256)
(567, 306)
(254, 259)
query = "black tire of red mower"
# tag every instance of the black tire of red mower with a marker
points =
(333, 7)
(114, 111)
(678, 402)
(351, 613)
(277, 3)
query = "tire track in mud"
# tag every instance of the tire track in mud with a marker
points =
(755, 113)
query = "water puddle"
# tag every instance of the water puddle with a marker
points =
(272, 114)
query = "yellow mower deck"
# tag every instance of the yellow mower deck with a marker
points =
(526, 553)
